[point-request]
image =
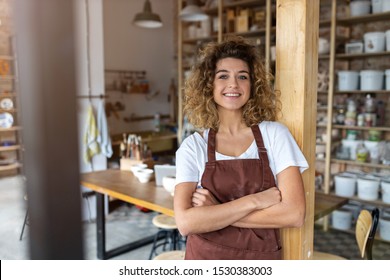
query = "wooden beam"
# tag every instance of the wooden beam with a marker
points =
(296, 78)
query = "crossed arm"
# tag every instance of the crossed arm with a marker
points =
(197, 211)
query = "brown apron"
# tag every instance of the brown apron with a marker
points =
(228, 180)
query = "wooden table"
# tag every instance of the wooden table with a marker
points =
(124, 186)
(326, 204)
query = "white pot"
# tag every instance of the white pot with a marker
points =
(384, 228)
(348, 80)
(323, 46)
(387, 72)
(373, 149)
(342, 219)
(376, 6)
(371, 80)
(345, 185)
(387, 34)
(385, 5)
(385, 189)
(374, 42)
(368, 188)
(358, 8)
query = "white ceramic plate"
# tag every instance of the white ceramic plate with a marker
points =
(6, 120)
(6, 103)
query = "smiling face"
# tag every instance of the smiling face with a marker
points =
(231, 84)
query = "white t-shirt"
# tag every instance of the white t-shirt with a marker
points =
(282, 151)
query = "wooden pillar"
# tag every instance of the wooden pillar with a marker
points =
(296, 78)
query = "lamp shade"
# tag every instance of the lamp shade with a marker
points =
(147, 18)
(192, 12)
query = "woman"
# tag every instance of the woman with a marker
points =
(226, 199)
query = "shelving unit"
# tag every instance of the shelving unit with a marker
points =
(11, 146)
(351, 28)
(192, 36)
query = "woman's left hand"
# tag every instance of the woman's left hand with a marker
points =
(203, 197)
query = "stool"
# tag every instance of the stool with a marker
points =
(171, 255)
(167, 232)
(25, 222)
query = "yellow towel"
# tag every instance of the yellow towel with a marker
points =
(91, 146)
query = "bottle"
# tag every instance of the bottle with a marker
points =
(157, 122)
(361, 153)
(122, 146)
(369, 104)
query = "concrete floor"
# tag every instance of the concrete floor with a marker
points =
(127, 224)
(123, 225)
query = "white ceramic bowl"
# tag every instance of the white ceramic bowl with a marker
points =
(169, 183)
(137, 167)
(144, 175)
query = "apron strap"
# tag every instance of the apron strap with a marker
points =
(211, 146)
(260, 143)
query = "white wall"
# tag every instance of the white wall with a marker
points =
(96, 61)
(127, 47)
(96, 68)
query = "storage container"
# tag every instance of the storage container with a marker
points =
(345, 184)
(358, 8)
(342, 219)
(376, 6)
(352, 145)
(368, 187)
(387, 72)
(384, 228)
(374, 42)
(348, 80)
(371, 79)
(385, 189)
(354, 47)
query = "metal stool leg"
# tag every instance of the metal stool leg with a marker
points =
(24, 225)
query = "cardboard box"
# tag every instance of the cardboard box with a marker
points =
(242, 23)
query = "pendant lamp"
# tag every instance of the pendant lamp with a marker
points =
(192, 12)
(147, 18)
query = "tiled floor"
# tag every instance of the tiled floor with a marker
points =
(126, 224)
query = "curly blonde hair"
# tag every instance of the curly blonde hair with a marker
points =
(199, 105)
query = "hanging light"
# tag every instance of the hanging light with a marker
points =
(192, 12)
(147, 18)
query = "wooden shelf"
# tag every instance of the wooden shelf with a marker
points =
(202, 39)
(10, 148)
(364, 19)
(246, 3)
(363, 164)
(255, 33)
(14, 128)
(8, 110)
(362, 91)
(379, 128)
(7, 77)
(8, 94)
(7, 57)
(10, 167)
(361, 55)
(378, 202)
